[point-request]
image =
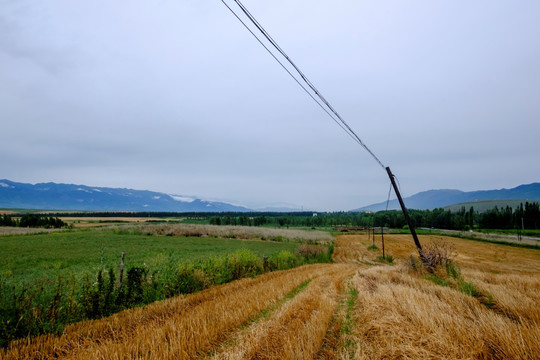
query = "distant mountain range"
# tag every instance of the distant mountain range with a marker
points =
(52, 196)
(433, 199)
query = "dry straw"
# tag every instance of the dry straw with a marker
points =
(234, 232)
(297, 329)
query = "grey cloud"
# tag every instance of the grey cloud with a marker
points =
(177, 97)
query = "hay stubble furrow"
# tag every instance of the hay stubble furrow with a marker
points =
(297, 329)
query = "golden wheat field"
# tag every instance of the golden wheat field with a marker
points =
(356, 308)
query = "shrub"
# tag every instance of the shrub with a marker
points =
(245, 263)
(188, 280)
(282, 260)
(136, 281)
(435, 254)
(389, 259)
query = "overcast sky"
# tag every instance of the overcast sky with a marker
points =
(177, 97)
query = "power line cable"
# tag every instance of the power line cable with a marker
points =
(302, 75)
(288, 71)
(342, 123)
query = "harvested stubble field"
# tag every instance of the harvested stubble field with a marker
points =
(10, 230)
(235, 232)
(94, 221)
(356, 308)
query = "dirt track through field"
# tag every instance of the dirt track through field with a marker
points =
(356, 308)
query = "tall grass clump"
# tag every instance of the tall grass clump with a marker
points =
(41, 307)
(282, 260)
(315, 253)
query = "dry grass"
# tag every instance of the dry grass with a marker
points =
(402, 315)
(352, 249)
(298, 328)
(470, 254)
(237, 232)
(516, 297)
(9, 230)
(512, 238)
(85, 222)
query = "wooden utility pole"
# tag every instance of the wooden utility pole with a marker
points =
(406, 214)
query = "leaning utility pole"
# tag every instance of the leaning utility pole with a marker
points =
(294, 71)
(405, 213)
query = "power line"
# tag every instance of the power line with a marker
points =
(287, 70)
(322, 102)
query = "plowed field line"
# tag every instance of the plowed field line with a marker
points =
(296, 330)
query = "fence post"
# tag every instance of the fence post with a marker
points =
(382, 240)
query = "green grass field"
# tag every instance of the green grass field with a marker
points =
(27, 258)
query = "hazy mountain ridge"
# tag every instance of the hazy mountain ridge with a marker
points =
(53, 196)
(433, 199)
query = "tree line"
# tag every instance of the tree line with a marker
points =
(525, 216)
(32, 220)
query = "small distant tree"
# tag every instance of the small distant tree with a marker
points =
(6, 220)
